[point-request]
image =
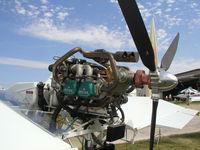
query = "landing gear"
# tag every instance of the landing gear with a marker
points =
(107, 147)
(88, 146)
(92, 141)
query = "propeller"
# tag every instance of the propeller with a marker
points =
(166, 82)
(153, 40)
(138, 31)
(169, 55)
(160, 80)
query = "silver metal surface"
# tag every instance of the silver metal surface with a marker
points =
(167, 81)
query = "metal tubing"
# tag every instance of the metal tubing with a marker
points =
(114, 74)
(85, 53)
(63, 58)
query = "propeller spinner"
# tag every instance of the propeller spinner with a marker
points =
(159, 79)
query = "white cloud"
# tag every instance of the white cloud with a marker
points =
(170, 1)
(171, 21)
(146, 12)
(161, 34)
(193, 5)
(157, 4)
(168, 9)
(48, 14)
(89, 35)
(35, 12)
(185, 1)
(23, 63)
(32, 7)
(62, 15)
(163, 39)
(163, 44)
(19, 8)
(184, 64)
(113, 1)
(158, 12)
(44, 8)
(140, 6)
(44, 1)
(194, 23)
(47, 22)
(176, 8)
(178, 65)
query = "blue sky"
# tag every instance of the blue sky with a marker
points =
(34, 31)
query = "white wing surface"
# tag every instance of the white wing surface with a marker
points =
(19, 133)
(174, 116)
(138, 113)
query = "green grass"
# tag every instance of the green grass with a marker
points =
(178, 102)
(179, 142)
(195, 103)
(184, 103)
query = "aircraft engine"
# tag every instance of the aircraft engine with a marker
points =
(83, 83)
(88, 90)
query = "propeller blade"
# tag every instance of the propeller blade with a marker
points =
(153, 40)
(153, 124)
(138, 31)
(169, 55)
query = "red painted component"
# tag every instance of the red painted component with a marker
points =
(141, 78)
(29, 92)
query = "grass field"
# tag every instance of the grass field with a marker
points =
(179, 142)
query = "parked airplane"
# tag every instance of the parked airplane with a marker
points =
(24, 99)
(93, 98)
(190, 94)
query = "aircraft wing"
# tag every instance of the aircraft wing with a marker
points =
(174, 116)
(19, 133)
(195, 98)
(138, 113)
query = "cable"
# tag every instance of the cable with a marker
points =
(52, 125)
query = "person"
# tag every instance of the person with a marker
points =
(188, 99)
